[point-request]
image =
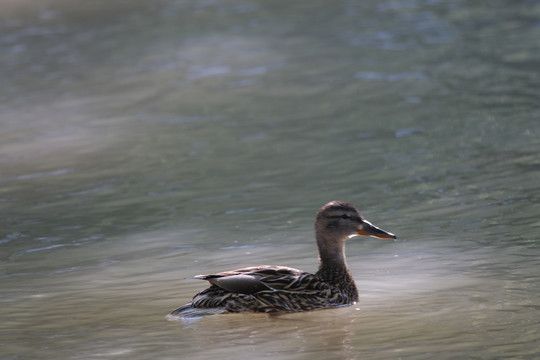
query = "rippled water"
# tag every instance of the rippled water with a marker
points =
(145, 142)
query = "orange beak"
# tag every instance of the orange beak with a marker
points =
(368, 229)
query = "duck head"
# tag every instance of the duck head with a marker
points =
(336, 222)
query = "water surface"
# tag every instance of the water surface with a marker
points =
(143, 143)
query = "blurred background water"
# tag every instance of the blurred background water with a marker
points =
(145, 142)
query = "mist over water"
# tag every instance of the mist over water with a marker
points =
(142, 143)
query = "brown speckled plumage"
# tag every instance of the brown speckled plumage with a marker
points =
(270, 289)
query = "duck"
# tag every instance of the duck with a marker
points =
(277, 289)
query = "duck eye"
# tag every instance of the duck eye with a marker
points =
(344, 216)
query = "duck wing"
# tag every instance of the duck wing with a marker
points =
(259, 278)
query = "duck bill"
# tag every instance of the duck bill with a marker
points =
(368, 229)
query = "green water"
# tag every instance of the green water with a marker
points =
(145, 142)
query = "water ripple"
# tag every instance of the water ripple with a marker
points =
(61, 270)
(369, 75)
(38, 175)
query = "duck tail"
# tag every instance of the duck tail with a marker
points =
(188, 311)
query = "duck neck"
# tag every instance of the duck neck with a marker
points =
(333, 265)
(331, 251)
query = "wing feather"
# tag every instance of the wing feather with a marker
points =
(263, 278)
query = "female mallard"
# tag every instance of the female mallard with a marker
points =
(271, 289)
